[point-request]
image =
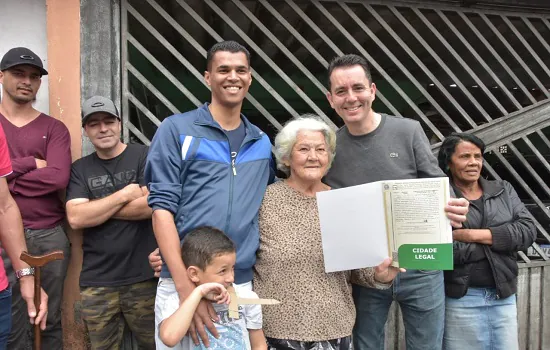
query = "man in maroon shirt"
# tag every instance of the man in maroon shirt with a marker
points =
(39, 147)
(13, 241)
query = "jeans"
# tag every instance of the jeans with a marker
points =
(479, 320)
(5, 317)
(40, 242)
(421, 296)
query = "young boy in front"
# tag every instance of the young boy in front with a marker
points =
(209, 256)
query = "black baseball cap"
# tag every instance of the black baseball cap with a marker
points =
(97, 104)
(19, 56)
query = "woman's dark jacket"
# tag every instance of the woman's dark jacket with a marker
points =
(512, 229)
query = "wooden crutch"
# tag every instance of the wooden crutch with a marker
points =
(37, 262)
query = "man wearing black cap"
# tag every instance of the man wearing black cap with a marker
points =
(39, 147)
(107, 198)
(13, 241)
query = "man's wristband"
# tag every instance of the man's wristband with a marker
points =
(28, 271)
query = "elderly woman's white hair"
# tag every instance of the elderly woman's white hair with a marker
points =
(286, 138)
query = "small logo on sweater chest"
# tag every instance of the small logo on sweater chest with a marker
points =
(394, 155)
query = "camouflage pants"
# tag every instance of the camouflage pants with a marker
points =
(106, 310)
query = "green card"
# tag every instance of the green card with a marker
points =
(426, 256)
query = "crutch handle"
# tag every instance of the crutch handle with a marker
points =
(37, 262)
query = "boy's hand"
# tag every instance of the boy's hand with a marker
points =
(215, 292)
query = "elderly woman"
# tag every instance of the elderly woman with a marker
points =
(480, 303)
(316, 310)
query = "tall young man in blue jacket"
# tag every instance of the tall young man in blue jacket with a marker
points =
(209, 166)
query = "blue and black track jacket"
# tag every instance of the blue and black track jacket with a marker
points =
(190, 173)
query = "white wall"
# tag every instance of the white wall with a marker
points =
(23, 23)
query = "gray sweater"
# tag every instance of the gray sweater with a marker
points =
(397, 149)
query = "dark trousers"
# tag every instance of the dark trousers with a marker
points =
(40, 242)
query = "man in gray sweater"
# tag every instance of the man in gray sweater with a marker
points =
(374, 147)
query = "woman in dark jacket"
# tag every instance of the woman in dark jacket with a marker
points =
(481, 303)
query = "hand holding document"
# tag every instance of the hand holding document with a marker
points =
(403, 219)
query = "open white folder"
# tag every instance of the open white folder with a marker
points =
(362, 225)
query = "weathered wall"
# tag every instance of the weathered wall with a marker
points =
(23, 23)
(63, 39)
(63, 26)
(100, 52)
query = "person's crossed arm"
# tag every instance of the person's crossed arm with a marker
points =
(84, 213)
(40, 175)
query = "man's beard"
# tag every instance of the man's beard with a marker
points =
(21, 100)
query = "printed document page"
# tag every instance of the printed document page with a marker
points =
(414, 212)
